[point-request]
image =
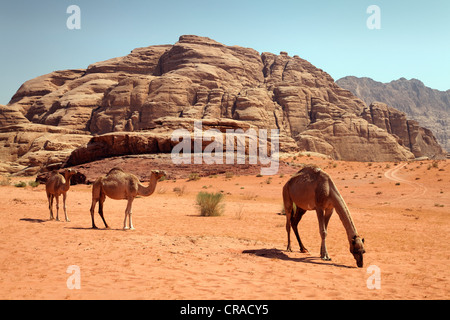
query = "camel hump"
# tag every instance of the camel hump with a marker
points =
(308, 169)
(311, 168)
(115, 169)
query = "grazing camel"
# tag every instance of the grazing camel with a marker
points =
(56, 185)
(120, 185)
(312, 189)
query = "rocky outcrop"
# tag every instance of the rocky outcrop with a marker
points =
(132, 104)
(418, 140)
(428, 106)
(26, 148)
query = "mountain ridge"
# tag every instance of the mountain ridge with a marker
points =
(431, 107)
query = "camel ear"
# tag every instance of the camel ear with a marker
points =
(362, 240)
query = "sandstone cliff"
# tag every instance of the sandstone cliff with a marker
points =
(141, 98)
(430, 107)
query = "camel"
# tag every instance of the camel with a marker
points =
(56, 185)
(120, 185)
(313, 189)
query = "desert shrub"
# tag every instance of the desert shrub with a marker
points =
(210, 204)
(229, 175)
(179, 191)
(20, 184)
(33, 184)
(193, 177)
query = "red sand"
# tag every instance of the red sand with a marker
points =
(402, 211)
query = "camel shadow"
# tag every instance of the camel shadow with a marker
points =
(279, 254)
(33, 220)
(98, 229)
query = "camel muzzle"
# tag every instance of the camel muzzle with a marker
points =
(359, 259)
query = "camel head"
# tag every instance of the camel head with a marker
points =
(357, 249)
(69, 172)
(159, 174)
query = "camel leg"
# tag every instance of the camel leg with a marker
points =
(64, 206)
(128, 214)
(295, 219)
(287, 202)
(288, 210)
(94, 202)
(57, 207)
(323, 233)
(100, 210)
(50, 205)
(327, 216)
(131, 222)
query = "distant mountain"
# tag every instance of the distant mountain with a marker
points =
(430, 107)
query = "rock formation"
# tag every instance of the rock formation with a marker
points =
(430, 107)
(131, 104)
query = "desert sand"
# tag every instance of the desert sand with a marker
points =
(401, 209)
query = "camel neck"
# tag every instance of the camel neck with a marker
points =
(344, 214)
(147, 191)
(67, 183)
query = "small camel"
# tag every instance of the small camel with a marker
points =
(312, 189)
(120, 185)
(56, 185)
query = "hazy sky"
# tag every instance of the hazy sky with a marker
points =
(413, 41)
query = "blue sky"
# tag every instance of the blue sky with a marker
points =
(413, 42)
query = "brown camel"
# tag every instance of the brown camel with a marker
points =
(312, 189)
(120, 185)
(56, 185)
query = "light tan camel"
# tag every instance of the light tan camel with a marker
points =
(120, 185)
(56, 185)
(312, 189)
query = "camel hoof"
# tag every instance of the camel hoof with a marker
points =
(94, 227)
(304, 250)
(326, 258)
(67, 220)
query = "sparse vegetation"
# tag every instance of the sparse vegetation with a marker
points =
(193, 176)
(249, 196)
(229, 175)
(210, 204)
(33, 184)
(20, 184)
(161, 190)
(179, 191)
